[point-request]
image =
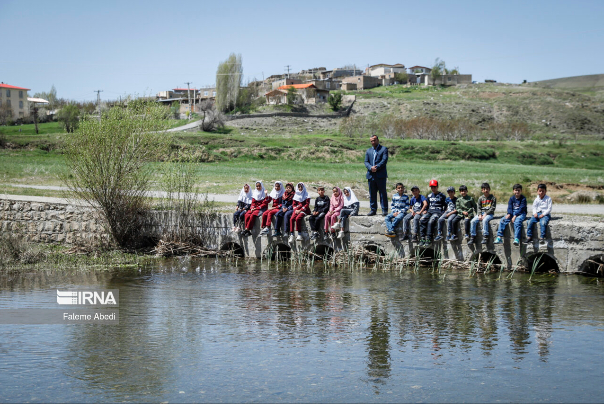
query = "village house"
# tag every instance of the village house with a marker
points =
(285, 82)
(15, 98)
(327, 84)
(306, 94)
(419, 69)
(339, 72)
(363, 82)
(383, 69)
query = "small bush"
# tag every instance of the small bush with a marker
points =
(335, 101)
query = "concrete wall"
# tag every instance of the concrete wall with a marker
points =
(285, 82)
(363, 82)
(571, 241)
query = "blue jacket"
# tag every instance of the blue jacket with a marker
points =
(376, 157)
(517, 206)
(399, 203)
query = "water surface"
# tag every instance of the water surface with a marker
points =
(206, 330)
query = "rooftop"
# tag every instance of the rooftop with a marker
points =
(2, 85)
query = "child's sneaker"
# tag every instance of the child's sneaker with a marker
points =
(529, 240)
(277, 233)
(336, 226)
(427, 242)
(291, 238)
(542, 241)
(498, 240)
(390, 234)
(299, 238)
(516, 242)
(246, 233)
(453, 237)
(438, 237)
(314, 235)
(471, 240)
(341, 234)
(467, 236)
(265, 230)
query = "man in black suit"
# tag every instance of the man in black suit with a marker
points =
(376, 158)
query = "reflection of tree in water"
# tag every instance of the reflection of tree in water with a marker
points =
(378, 342)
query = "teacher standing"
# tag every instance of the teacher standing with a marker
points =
(376, 158)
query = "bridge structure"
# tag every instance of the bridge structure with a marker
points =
(573, 244)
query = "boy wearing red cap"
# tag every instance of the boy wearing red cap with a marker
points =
(436, 207)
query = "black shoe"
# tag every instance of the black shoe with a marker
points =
(542, 241)
(471, 240)
(372, 213)
(529, 240)
(384, 213)
(405, 237)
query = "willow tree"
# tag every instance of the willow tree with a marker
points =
(108, 164)
(228, 81)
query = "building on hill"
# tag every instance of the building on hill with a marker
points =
(327, 84)
(383, 69)
(339, 72)
(306, 94)
(285, 82)
(363, 82)
(314, 72)
(15, 98)
(419, 69)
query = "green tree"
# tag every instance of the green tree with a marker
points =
(108, 164)
(438, 70)
(228, 81)
(401, 78)
(335, 101)
(455, 70)
(291, 97)
(69, 116)
(175, 109)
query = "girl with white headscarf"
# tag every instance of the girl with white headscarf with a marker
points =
(276, 196)
(351, 208)
(259, 204)
(300, 209)
(243, 205)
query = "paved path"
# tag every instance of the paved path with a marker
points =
(232, 198)
(191, 125)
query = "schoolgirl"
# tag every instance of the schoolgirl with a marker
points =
(287, 201)
(336, 203)
(243, 204)
(351, 208)
(259, 205)
(276, 196)
(301, 208)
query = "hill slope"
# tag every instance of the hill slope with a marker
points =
(590, 84)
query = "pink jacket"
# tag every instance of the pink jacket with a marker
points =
(336, 203)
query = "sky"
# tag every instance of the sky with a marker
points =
(142, 47)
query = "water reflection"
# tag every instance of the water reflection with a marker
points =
(212, 331)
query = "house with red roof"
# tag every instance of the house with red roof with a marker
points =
(13, 99)
(306, 94)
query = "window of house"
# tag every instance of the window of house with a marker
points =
(205, 93)
(20, 104)
(20, 94)
(327, 84)
(7, 93)
(8, 102)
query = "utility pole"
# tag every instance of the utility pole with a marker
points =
(98, 102)
(189, 97)
(287, 67)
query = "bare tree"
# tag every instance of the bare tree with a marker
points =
(212, 118)
(6, 113)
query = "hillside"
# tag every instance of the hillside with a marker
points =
(592, 84)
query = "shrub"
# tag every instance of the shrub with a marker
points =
(335, 101)
(107, 164)
(69, 116)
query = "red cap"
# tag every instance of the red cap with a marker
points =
(433, 183)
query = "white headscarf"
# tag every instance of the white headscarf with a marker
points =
(245, 197)
(349, 200)
(301, 196)
(277, 194)
(258, 195)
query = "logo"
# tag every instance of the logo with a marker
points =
(91, 298)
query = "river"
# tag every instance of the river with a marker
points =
(205, 330)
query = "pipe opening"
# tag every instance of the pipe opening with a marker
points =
(593, 266)
(487, 258)
(279, 252)
(542, 263)
(323, 252)
(235, 248)
(374, 249)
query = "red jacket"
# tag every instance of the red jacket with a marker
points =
(261, 205)
(277, 203)
(304, 206)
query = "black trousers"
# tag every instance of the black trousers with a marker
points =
(315, 221)
(375, 186)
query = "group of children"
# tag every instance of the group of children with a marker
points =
(289, 207)
(436, 208)
(419, 215)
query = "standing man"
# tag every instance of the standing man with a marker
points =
(376, 158)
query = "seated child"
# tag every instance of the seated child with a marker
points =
(398, 208)
(486, 210)
(301, 208)
(436, 207)
(516, 214)
(542, 209)
(466, 209)
(275, 195)
(285, 211)
(351, 208)
(319, 212)
(243, 204)
(259, 204)
(449, 215)
(336, 203)
(418, 206)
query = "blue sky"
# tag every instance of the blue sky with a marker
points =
(141, 47)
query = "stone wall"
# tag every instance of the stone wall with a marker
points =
(49, 222)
